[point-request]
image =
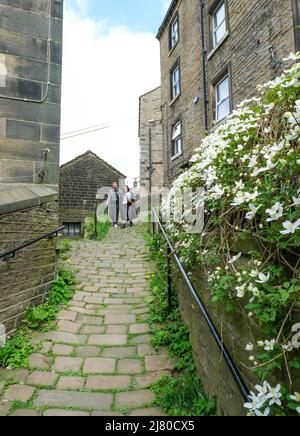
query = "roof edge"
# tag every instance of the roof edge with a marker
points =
(166, 19)
(89, 152)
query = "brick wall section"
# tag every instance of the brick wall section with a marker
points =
(26, 279)
(27, 128)
(80, 181)
(150, 109)
(249, 21)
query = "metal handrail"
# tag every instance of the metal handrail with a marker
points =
(10, 254)
(228, 359)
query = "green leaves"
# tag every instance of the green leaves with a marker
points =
(17, 350)
(183, 396)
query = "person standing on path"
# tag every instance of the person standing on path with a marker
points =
(114, 202)
(128, 207)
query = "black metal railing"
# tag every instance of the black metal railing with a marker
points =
(10, 254)
(225, 353)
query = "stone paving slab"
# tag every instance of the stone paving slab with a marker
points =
(99, 360)
(80, 400)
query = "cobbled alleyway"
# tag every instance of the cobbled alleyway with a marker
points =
(99, 361)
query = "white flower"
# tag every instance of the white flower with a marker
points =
(296, 201)
(295, 397)
(288, 347)
(290, 228)
(276, 212)
(235, 259)
(254, 273)
(298, 410)
(241, 291)
(265, 413)
(274, 396)
(253, 211)
(256, 292)
(263, 390)
(263, 278)
(269, 345)
(249, 347)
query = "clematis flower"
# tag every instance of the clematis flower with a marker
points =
(269, 345)
(274, 396)
(290, 228)
(295, 397)
(263, 278)
(235, 259)
(241, 291)
(276, 212)
(296, 201)
(253, 211)
(249, 347)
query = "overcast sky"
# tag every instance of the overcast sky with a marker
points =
(111, 57)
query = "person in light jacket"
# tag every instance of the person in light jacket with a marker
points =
(128, 207)
(114, 203)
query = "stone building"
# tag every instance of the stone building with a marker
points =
(80, 180)
(150, 134)
(30, 95)
(213, 55)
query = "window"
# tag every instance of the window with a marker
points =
(72, 230)
(219, 24)
(175, 82)
(296, 14)
(223, 103)
(174, 32)
(176, 140)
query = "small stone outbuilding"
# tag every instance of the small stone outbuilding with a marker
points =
(80, 180)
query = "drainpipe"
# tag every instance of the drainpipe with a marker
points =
(150, 162)
(203, 45)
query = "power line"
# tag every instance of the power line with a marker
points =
(88, 128)
(91, 130)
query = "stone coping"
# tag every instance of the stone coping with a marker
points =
(19, 196)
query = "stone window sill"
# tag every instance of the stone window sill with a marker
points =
(175, 99)
(215, 49)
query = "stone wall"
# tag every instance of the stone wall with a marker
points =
(215, 375)
(253, 26)
(26, 279)
(150, 110)
(80, 181)
(30, 96)
(30, 79)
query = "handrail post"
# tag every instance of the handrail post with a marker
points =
(169, 278)
(243, 388)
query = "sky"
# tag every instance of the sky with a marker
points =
(110, 58)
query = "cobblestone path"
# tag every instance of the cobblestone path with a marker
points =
(99, 361)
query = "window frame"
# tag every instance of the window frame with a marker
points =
(176, 151)
(172, 43)
(212, 12)
(176, 67)
(296, 18)
(73, 226)
(226, 72)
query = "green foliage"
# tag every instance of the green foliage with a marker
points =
(183, 396)
(98, 233)
(248, 171)
(17, 349)
(65, 246)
